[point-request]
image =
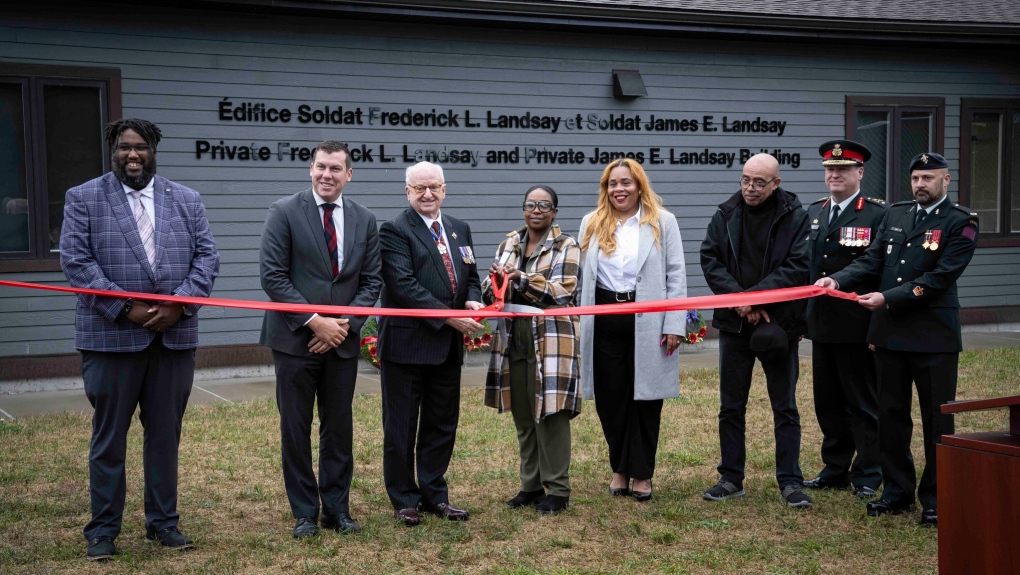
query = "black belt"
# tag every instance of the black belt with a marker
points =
(617, 296)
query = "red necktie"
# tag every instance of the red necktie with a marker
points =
(437, 234)
(330, 231)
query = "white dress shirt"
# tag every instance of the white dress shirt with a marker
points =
(618, 272)
(147, 199)
(842, 205)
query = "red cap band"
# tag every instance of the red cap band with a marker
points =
(847, 155)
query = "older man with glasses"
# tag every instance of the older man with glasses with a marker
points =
(757, 240)
(429, 263)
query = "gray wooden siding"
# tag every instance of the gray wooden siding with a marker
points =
(177, 66)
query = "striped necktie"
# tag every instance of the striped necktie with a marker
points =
(145, 230)
(330, 230)
(437, 234)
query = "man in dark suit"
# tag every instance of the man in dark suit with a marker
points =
(843, 225)
(430, 264)
(131, 230)
(921, 250)
(318, 249)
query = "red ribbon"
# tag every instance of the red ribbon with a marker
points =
(754, 298)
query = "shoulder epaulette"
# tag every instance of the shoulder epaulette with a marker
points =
(905, 203)
(965, 210)
(876, 201)
(822, 199)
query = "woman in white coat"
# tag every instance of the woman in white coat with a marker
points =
(631, 251)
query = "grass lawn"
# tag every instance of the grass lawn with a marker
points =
(233, 504)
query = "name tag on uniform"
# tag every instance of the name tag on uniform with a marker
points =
(467, 255)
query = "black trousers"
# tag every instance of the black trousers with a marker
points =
(299, 381)
(846, 404)
(736, 363)
(422, 443)
(934, 374)
(631, 427)
(158, 380)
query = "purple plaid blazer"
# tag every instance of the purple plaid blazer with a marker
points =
(100, 248)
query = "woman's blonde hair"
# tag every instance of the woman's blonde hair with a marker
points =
(602, 223)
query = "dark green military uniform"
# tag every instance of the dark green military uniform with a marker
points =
(843, 369)
(917, 333)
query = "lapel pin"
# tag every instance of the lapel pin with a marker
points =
(454, 234)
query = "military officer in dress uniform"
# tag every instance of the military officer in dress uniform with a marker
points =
(843, 225)
(921, 250)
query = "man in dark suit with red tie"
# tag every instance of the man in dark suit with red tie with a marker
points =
(132, 230)
(318, 248)
(430, 264)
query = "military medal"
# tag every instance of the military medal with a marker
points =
(442, 248)
(936, 235)
(927, 239)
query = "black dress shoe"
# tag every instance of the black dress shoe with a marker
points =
(447, 511)
(827, 483)
(526, 498)
(100, 549)
(884, 506)
(342, 523)
(305, 527)
(929, 518)
(408, 516)
(170, 537)
(864, 492)
(619, 491)
(552, 504)
(643, 495)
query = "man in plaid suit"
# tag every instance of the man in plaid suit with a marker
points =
(131, 230)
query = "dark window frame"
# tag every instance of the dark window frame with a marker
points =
(34, 77)
(968, 106)
(895, 105)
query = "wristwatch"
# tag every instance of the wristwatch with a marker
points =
(124, 311)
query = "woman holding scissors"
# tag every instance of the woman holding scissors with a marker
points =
(533, 370)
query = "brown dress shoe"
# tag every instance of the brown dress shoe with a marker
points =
(448, 512)
(408, 516)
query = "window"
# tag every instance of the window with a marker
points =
(990, 167)
(51, 139)
(895, 129)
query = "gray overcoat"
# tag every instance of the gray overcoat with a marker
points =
(661, 275)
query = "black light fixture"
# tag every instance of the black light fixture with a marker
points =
(628, 84)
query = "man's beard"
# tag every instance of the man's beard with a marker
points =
(134, 182)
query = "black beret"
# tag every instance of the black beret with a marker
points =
(770, 340)
(928, 161)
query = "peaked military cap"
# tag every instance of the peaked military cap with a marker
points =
(843, 153)
(928, 161)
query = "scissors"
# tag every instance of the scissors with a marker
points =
(499, 288)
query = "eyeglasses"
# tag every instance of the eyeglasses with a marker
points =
(756, 185)
(436, 188)
(126, 149)
(543, 206)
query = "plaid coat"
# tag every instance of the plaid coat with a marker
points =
(551, 280)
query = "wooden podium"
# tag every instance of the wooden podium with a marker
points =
(979, 494)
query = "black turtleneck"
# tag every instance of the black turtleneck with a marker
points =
(754, 239)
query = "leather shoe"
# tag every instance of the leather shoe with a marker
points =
(864, 492)
(342, 523)
(884, 506)
(619, 491)
(827, 483)
(526, 498)
(643, 495)
(448, 512)
(408, 516)
(100, 549)
(552, 504)
(929, 518)
(170, 537)
(305, 527)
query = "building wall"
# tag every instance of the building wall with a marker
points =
(179, 71)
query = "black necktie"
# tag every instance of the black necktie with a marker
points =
(834, 214)
(920, 216)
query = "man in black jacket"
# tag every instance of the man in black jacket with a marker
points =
(843, 225)
(922, 248)
(756, 241)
